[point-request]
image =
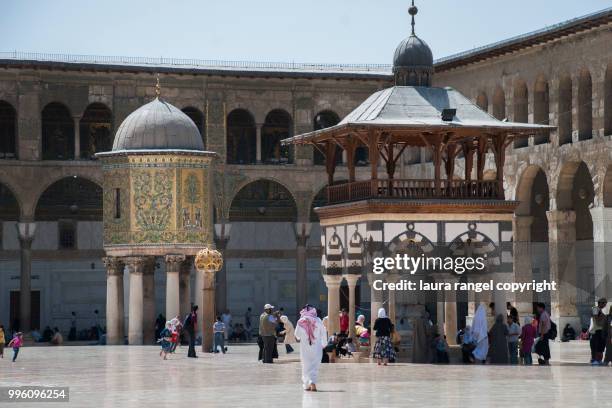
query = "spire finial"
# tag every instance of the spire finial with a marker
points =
(157, 87)
(413, 10)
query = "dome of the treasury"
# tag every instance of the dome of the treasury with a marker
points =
(158, 125)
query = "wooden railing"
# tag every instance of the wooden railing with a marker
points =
(413, 189)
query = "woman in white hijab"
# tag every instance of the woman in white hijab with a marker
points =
(480, 334)
(383, 349)
(288, 332)
(312, 336)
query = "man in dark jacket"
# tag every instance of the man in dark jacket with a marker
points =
(189, 326)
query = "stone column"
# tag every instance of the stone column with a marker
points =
(333, 302)
(222, 236)
(185, 286)
(208, 310)
(302, 232)
(376, 302)
(77, 137)
(450, 310)
(149, 314)
(392, 278)
(352, 284)
(523, 271)
(258, 144)
(198, 294)
(173, 267)
(136, 266)
(562, 253)
(602, 248)
(114, 300)
(25, 231)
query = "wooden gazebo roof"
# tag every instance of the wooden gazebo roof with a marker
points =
(411, 115)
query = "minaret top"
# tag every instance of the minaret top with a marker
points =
(413, 10)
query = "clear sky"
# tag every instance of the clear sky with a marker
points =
(332, 31)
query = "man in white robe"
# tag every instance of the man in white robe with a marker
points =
(312, 336)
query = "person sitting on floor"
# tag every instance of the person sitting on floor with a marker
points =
(57, 339)
(568, 333)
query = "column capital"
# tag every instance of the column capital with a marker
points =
(352, 279)
(25, 231)
(561, 217)
(393, 277)
(332, 280)
(114, 265)
(222, 231)
(138, 264)
(302, 232)
(561, 225)
(174, 262)
(523, 221)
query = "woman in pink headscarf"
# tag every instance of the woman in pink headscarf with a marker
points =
(312, 336)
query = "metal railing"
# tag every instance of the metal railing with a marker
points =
(413, 189)
(194, 63)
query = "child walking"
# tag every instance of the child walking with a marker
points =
(166, 341)
(219, 335)
(16, 344)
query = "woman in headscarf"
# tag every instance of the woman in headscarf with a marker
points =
(421, 345)
(165, 337)
(480, 334)
(360, 325)
(498, 351)
(528, 335)
(383, 349)
(361, 332)
(312, 336)
(288, 332)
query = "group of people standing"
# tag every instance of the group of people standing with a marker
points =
(506, 342)
(274, 326)
(170, 335)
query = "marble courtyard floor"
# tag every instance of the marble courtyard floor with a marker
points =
(124, 376)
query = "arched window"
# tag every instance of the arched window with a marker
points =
(608, 101)
(241, 137)
(482, 101)
(8, 131)
(499, 104)
(585, 106)
(521, 109)
(263, 200)
(324, 120)
(278, 126)
(96, 131)
(198, 118)
(540, 107)
(57, 133)
(68, 201)
(564, 127)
